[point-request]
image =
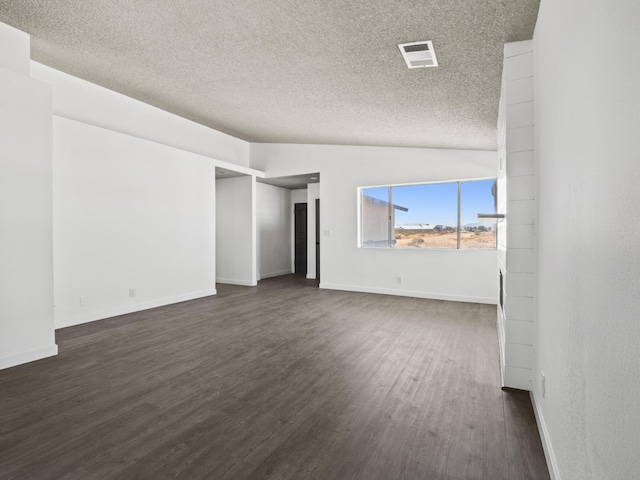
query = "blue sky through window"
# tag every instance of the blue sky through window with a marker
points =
(476, 197)
(434, 204)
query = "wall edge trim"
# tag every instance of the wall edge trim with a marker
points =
(271, 275)
(243, 283)
(123, 310)
(549, 455)
(29, 356)
(409, 293)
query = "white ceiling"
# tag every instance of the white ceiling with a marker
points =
(292, 182)
(292, 71)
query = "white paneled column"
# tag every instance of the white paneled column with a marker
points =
(517, 187)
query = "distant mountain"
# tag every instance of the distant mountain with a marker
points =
(474, 224)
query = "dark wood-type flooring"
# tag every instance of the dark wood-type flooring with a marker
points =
(279, 381)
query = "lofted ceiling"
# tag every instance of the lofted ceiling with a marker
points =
(292, 71)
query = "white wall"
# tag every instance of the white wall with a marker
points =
(15, 53)
(135, 209)
(235, 231)
(465, 275)
(274, 217)
(128, 214)
(587, 92)
(26, 272)
(86, 102)
(298, 196)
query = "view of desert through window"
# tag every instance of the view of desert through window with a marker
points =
(444, 239)
(429, 215)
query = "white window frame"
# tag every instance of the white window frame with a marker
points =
(391, 206)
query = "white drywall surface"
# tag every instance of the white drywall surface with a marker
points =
(26, 258)
(144, 178)
(588, 154)
(273, 211)
(128, 214)
(86, 102)
(466, 275)
(235, 231)
(15, 52)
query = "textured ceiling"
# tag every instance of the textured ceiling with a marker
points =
(292, 71)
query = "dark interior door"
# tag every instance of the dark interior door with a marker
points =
(317, 238)
(300, 215)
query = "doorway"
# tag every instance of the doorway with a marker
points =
(300, 238)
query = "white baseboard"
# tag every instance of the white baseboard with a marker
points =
(552, 463)
(30, 356)
(311, 277)
(409, 293)
(122, 310)
(271, 275)
(244, 283)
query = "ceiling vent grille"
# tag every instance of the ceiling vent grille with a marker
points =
(418, 54)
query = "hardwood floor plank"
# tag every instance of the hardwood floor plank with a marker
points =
(523, 439)
(281, 381)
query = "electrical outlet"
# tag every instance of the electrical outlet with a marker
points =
(83, 301)
(543, 385)
(132, 293)
(398, 280)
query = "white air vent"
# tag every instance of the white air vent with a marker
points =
(418, 54)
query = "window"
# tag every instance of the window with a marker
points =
(477, 197)
(431, 215)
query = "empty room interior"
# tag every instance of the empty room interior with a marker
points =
(319, 240)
